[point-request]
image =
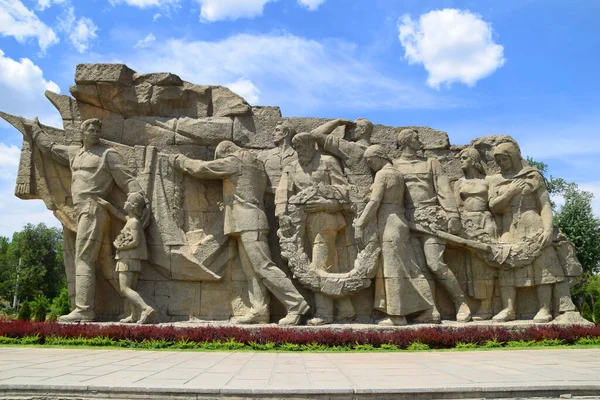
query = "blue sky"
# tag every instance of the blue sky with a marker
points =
(524, 68)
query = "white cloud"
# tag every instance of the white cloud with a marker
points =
(312, 5)
(156, 17)
(44, 4)
(145, 42)
(22, 86)
(146, 3)
(217, 10)
(453, 46)
(246, 89)
(80, 31)
(300, 75)
(18, 21)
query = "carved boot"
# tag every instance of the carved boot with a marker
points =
(251, 318)
(463, 312)
(431, 316)
(543, 316)
(148, 316)
(293, 317)
(508, 314)
(78, 316)
(393, 320)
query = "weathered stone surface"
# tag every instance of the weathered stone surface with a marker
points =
(94, 73)
(225, 103)
(86, 94)
(255, 130)
(228, 225)
(189, 100)
(205, 131)
(158, 79)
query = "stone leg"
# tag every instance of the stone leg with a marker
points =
(562, 292)
(254, 248)
(508, 294)
(324, 310)
(434, 255)
(544, 295)
(126, 284)
(257, 291)
(91, 225)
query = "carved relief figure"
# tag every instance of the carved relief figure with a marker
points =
(429, 201)
(399, 280)
(478, 224)
(131, 251)
(519, 197)
(315, 183)
(277, 159)
(350, 152)
(95, 169)
(244, 185)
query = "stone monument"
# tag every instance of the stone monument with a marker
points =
(183, 202)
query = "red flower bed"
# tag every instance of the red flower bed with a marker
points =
(435, 337)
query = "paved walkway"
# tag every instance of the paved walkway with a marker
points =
(161, 374)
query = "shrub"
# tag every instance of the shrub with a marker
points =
(596, 312)
(586, 312)
(25, 311)
(418, 346)
(41, 304)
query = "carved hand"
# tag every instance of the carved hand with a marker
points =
(545, 239)
(321, 205)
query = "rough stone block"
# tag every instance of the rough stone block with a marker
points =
(215, 301)
(125, 100)
(185, 298)
(256, 130)
(139, 132)
(93, 73)
(226, 103)
(86, 93)
(181, 101)
(158, 79)
(206, 131)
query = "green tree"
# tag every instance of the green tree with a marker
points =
(25, 311)
(577, 221)
(41, 271)
(575, 218)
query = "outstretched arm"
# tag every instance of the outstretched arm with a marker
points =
(320, 133)
(47, 146)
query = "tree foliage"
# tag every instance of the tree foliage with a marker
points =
(41, 273)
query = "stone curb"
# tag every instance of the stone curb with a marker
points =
(64, 392)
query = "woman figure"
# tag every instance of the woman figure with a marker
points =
(400, 287)
(519, 197)
(478, 224)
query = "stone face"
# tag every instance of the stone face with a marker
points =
(228, 206)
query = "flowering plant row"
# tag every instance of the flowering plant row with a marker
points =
(230, 337)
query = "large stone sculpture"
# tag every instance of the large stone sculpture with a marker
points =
(234, 206)
(518, 195)
(399, 281)
(315, 185)
(95, 169)
(478, 224)
(244, 184)
(429, 201)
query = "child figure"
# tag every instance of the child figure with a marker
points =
(131, 250)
